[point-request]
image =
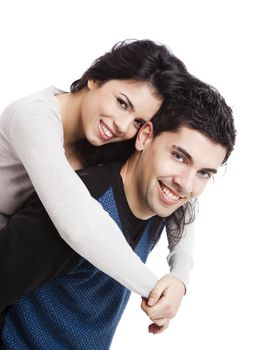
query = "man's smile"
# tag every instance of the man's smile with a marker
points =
(170, 195)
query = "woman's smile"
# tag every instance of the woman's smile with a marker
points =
(105, 133)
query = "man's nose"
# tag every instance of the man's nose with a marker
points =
(185, 180)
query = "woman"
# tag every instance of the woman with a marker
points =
(43, 139)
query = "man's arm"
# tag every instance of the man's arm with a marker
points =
(32, 252)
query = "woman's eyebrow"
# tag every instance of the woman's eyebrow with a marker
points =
(128, 100)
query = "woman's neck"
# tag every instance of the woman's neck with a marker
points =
(70, 110)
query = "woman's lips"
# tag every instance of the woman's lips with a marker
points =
(105, 132)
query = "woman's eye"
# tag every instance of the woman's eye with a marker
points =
(122, 103)
(139, 123)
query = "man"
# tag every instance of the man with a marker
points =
(175, 157)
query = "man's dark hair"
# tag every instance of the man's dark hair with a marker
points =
(201, 108)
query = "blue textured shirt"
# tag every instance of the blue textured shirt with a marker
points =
(79, 310)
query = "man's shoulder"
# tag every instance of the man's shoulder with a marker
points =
(99, 178)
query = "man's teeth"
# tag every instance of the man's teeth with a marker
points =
(106, 130)
(168, 193)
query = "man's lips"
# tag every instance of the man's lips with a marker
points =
(170, 195)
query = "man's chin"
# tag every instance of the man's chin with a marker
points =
(165, 213)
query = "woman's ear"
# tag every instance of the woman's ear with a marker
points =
(145, 134)
(91, 84)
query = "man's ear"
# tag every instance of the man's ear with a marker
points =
(145, 135)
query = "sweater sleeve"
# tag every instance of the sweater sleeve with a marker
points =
(180, 258)
(36, 141)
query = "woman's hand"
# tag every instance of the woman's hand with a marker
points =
(163, 302)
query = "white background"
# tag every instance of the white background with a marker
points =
(53, 42)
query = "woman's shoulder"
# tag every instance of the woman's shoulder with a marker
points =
(39, 107)
(44, 98)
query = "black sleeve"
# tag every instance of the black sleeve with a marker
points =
(31, 253)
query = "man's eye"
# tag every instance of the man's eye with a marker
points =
(139, 123)
(122, 103)
(178, 156)
(205, 174)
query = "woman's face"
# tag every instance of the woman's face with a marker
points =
(115, 110)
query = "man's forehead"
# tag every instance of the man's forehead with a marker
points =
(193, 144)
(182, 131)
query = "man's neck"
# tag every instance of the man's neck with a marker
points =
(129, 177)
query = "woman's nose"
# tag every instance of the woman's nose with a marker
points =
(122, 124)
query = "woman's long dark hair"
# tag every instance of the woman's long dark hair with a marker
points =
(135, 60)
(110, 152)
(138, 60)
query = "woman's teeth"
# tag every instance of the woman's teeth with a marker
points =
(106, 131)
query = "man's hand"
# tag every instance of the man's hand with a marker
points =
(163, 302)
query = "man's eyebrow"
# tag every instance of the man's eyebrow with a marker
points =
(184, 152)
(190, 159)
(211, 170)
(128, 100)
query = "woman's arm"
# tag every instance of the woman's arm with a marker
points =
(180, 258)
(165, 298)
(35, 136)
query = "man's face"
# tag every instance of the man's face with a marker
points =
(171, 169)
